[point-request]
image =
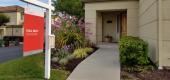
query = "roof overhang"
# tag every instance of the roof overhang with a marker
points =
(91, 1)
(14, 8)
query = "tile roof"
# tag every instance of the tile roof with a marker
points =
(11, 9)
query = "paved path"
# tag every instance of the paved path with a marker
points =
(9, 53)
(102, 65)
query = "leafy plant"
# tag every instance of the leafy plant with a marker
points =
(67, 36)
(133, 51)
(1, 43)
(3, 19)
(72, 7)
(82, 52)
(89, 50)
(61, 56)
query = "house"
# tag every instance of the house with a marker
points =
(147, 19)
(15, 26)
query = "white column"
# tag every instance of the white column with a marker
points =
(160, 42)
(47, 47)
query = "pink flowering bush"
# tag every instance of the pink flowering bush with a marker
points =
(70, 38)
(68, 30)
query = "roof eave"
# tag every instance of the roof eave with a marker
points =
(92, 1)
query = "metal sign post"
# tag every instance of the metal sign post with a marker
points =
(49, 9)
(47, 47)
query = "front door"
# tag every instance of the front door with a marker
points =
(114, 25)
(123, 25)
(109, 26)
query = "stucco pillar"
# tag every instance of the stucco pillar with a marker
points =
(90, 25)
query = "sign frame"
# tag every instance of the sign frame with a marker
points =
(49, 9)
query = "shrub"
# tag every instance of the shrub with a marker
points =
(89, 50)
(82, 52)
(1, 43)
(61, 56)
(133, 51)
(3, 19)
(67, 36)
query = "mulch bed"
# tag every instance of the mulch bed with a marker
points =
(72, 64)
(147, 75)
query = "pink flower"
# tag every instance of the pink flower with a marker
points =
(57, 22)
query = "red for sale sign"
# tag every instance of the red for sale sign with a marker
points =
(33, 34)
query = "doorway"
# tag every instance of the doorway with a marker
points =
(114, 25)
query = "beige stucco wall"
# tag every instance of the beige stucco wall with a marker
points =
(166, 32)
(148, 26)
(91, 17)
(14, 32)
(15, 18)
(99, 28)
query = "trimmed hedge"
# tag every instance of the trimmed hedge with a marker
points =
(133, 51)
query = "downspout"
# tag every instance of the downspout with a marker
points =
(160, 39)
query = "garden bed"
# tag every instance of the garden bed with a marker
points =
(72, 64)
(135, 63)
(147, 75)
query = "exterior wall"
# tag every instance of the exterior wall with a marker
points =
(20, 18)
(14, 32)
(15, 18)
(99, 28)
(166, 32)
(91, 17)
(148, 26)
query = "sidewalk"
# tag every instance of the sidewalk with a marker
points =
(102, 65)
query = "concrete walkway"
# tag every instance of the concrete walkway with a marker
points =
(102, 65)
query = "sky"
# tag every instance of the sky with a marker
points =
(14, 2)
(20, 3)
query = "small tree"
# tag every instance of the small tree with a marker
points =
(3, 19)
(71, 7)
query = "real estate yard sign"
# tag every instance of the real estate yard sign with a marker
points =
(33, 33)
(34, 28)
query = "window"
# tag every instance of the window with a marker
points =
(22, 15)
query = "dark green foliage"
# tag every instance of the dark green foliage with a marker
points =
(3, 19)
(133, 51)
(69, 35)
(72, 7)
(1, 43)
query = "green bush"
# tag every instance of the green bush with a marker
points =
(133, 51)
(82, 52)
(3, 19)
(61, 56)
(1, 43)
(89, 50)
(67, 36)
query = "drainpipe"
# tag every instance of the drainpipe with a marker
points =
(160, 39)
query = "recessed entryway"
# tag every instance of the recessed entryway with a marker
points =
(111, 25)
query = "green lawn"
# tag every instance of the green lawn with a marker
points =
(28, 68)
